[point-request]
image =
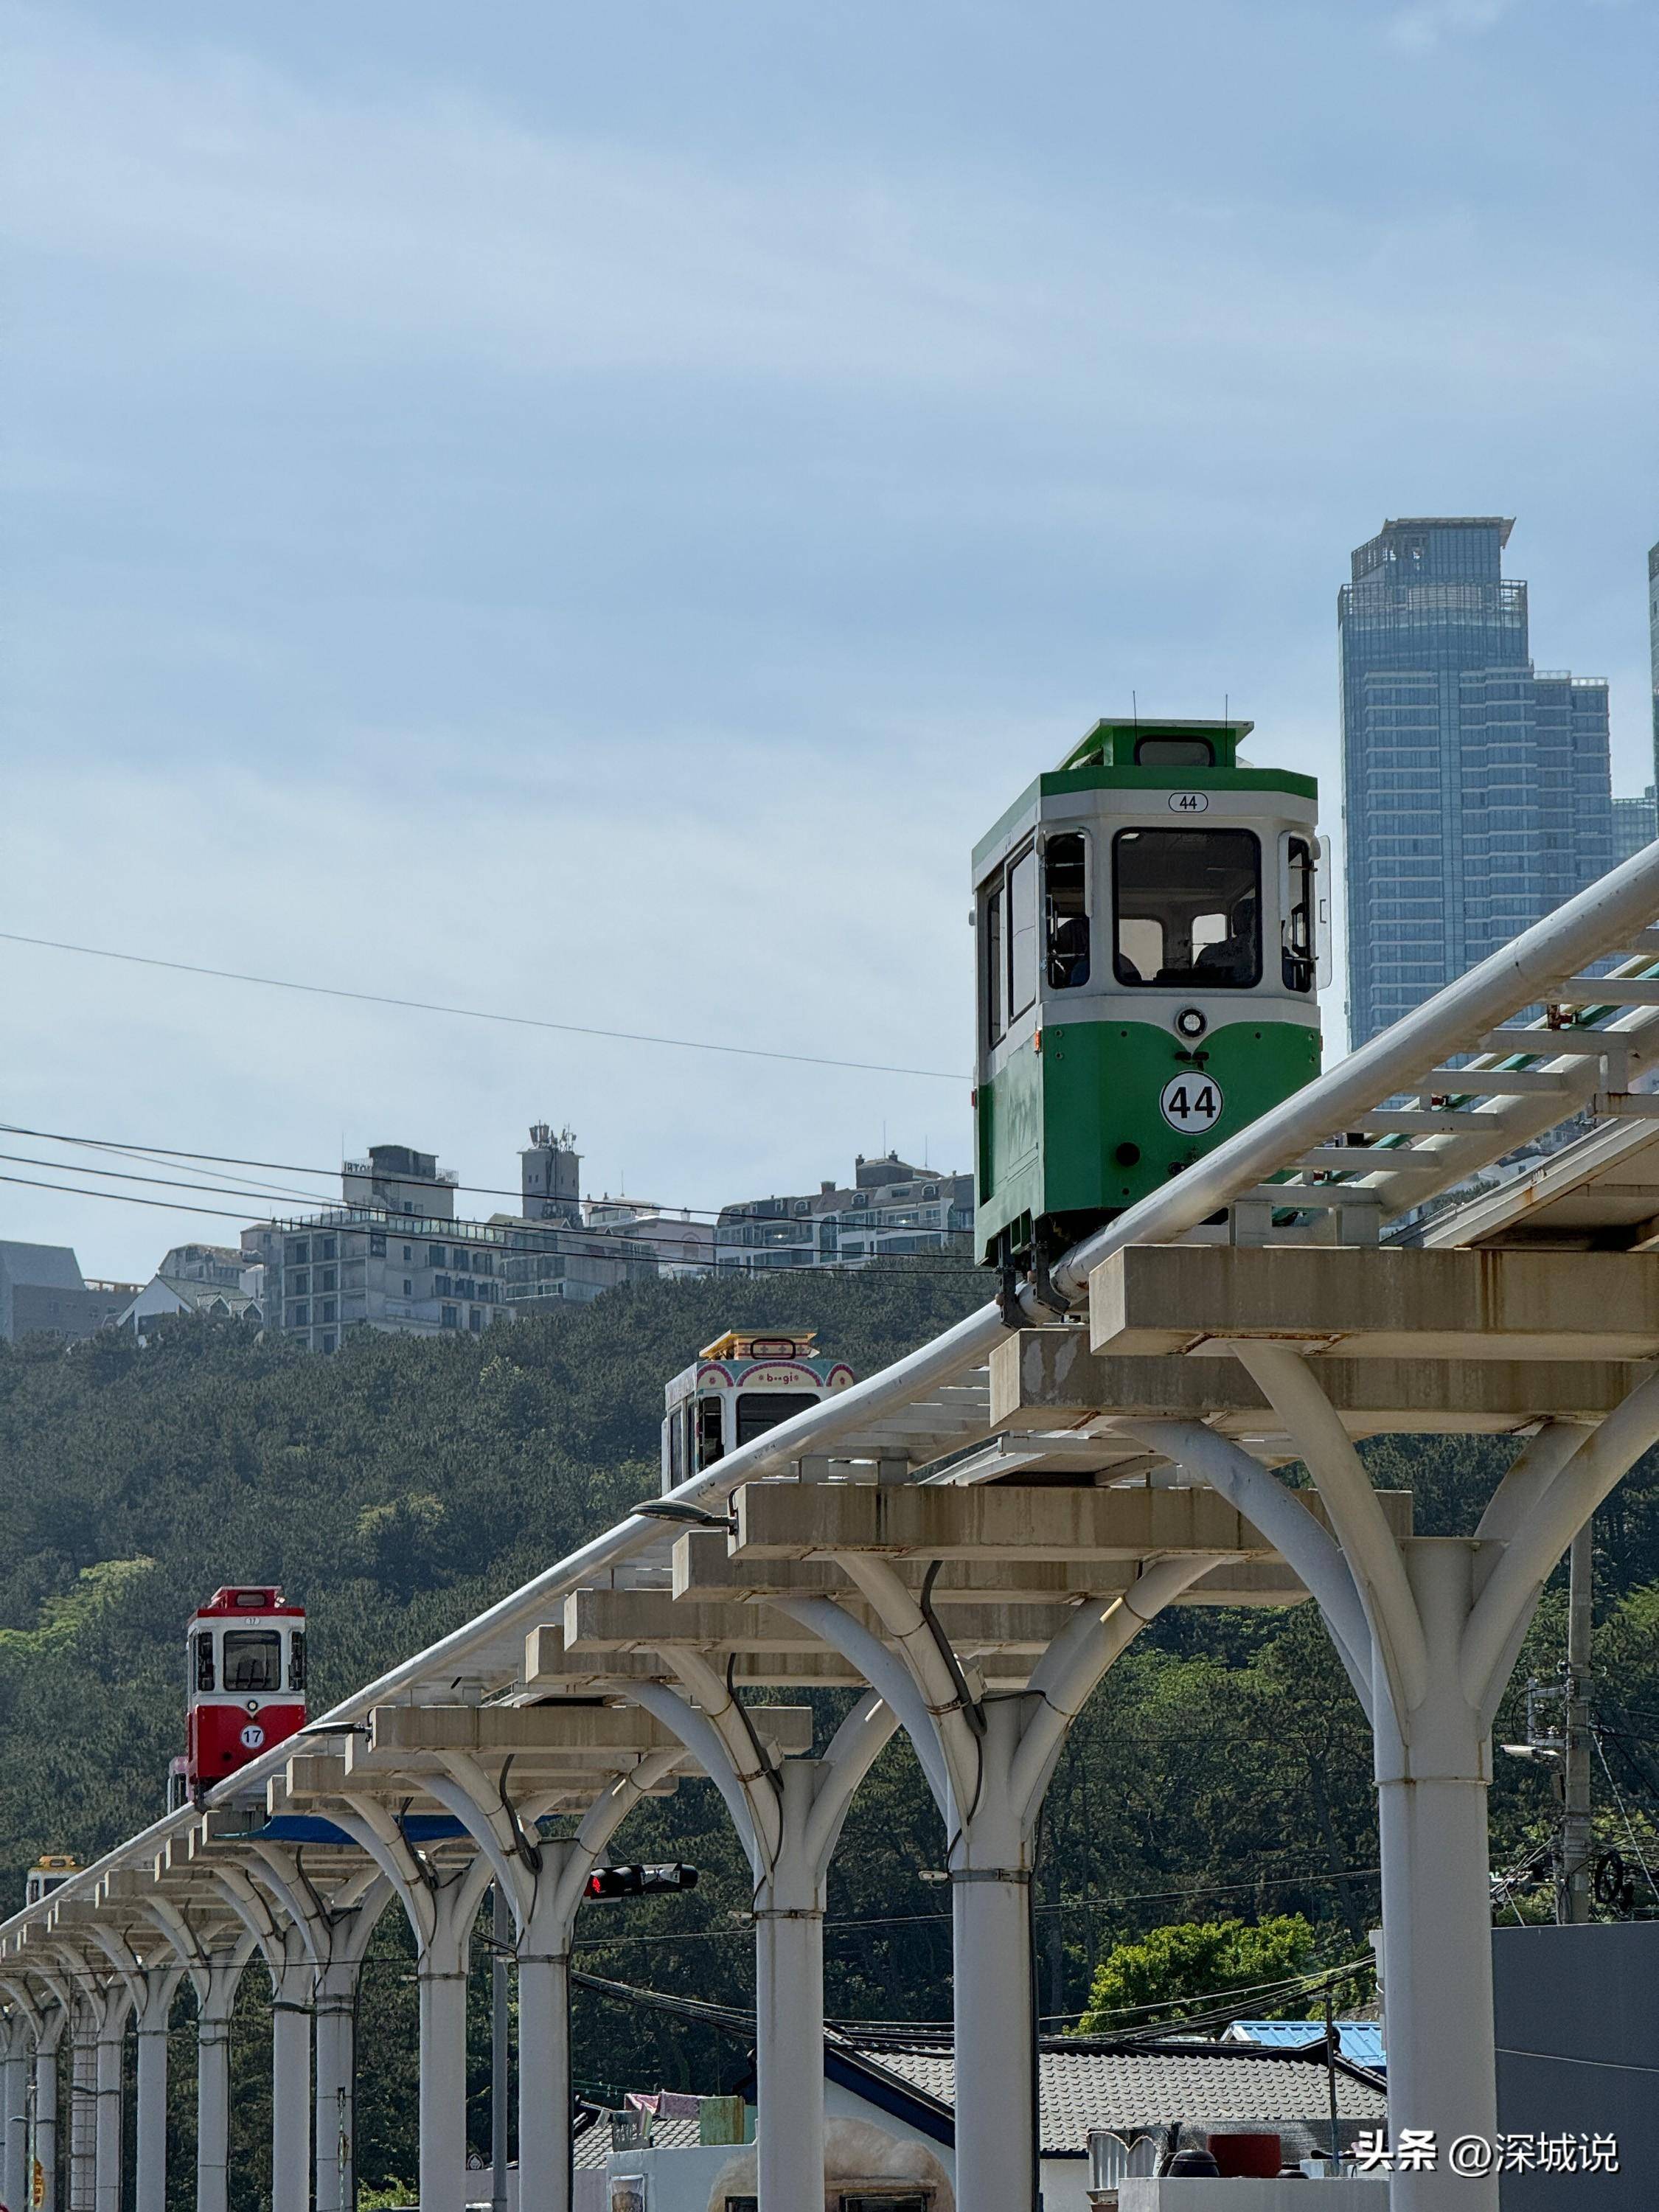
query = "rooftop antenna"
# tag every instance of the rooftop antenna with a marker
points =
(1134, 706)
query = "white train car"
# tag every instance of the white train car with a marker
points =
(737, 1388)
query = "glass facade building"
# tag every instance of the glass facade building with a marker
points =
(1477, 793)
(1653, 648)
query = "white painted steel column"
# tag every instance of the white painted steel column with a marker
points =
(290, 2080)
(544, 1960)
(990, 1870)
(1432, 1785)
(789, 2002)
(14, 2087)
(441, 1975)
(441, 1908)
(788, 1814)
(46, 2113)
(150, 2115)
(109, 2111)
(544, 1881)
(336, 2033)
(988, 1760)
(83, 2109)
(215, 2005)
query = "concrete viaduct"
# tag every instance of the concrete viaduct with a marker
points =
(967, 1541)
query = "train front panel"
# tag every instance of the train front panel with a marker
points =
(1149, 922)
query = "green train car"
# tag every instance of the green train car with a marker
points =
(1153, 924)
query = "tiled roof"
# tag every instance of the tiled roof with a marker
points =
(593, 2146)
(1094, 2085)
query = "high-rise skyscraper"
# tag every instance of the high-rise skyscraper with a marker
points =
(1477, 791)
(1653, 648)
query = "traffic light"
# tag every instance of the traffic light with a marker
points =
(639, 1880)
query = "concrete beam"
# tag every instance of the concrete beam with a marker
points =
(562, 1731)
(704, 1569)
(651, 1620)
(1377, 1304)
(803, 1520)
(1048, 1378)
(550, 1668)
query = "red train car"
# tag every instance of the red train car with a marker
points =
(246, 1682)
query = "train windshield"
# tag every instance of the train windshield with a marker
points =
(253, 1659)
(1188, 909)
(761, 1410)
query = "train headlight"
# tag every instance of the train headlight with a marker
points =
(1190, 1022)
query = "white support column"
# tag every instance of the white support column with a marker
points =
(45, 2111)
(14, 2092)
(83, 2108)
(1432, 1778)
(988, 1760)
(335, 2010)
(990, 1868)
(441, 1908)
(290, 2076)
(544, 1882)
(1443, 1618)
(788, 1814)
(160, 1986)
(440, 1974)
(335, 2028)
(215, 2003)
(107, 2129)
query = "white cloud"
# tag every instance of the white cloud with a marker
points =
(1421, 28)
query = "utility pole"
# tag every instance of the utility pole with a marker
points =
(501, 1930)
(1572, 1896)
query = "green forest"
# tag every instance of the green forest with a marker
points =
(1222, 1772)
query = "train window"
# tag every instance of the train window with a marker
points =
(1174, 752)
(1189, 908)
(1296, 908)
(991, 951)
(1022, 933)
(204, 1672)
(296, 1660)
(761, 1410)
(253, 1659)
(711, 1437)
(675, 1447)
(1065, 868)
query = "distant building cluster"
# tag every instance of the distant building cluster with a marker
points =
(395, 1255)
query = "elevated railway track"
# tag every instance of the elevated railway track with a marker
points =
(1455, 1230)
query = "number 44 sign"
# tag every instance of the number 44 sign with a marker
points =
(1191, 1103)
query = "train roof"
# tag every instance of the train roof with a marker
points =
(1105, 759)
(762, 1344)
(234, 1600)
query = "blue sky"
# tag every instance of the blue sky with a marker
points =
(589, 512)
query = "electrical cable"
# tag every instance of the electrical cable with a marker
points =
(1110, 1903)
(135, 1150)
(476, 1013)
(1630, 1831)
(898, 1263)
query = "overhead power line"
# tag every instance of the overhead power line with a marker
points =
(478, 1014)
(898, 1263)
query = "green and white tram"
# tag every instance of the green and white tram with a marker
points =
(1152, 920)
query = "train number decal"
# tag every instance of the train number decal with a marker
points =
(1191, 1103)
(1189, 802)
